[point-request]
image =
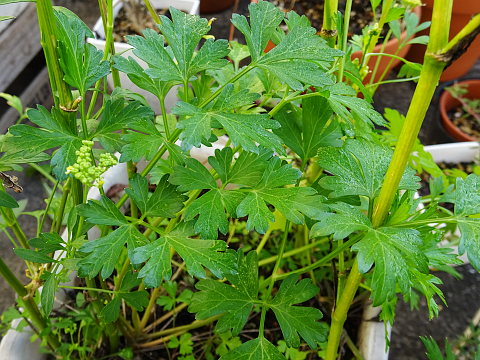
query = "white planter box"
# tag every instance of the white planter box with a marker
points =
(189, 6)
(454, 153)
(11, 10)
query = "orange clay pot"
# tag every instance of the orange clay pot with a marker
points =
(461, 14)
(214, 6)
(448, 102)
(390, 48)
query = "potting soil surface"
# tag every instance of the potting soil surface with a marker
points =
(463, 297)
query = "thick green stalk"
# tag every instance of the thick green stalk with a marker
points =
(329, 27)
(339, 314)
(30, 306)
(432, 69)
(381, 23)
(47, 23)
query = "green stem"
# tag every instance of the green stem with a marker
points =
(232, 80)
(30, 306)
(40, 228)
(293, 252)
(329, 29)
(110, 330)
(152, 11)
(382, 50)
(194, 325)
(164, 117)
(339, 315)
(385, 10)
(264, 241)
(47, 24)
(148, 310)
(87, 288)
(61, 209)
(430, 75)
(320, 262)
(346, 23)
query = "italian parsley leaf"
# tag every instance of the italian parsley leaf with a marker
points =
(82, 63)
(467, 202)
(196, 253)
(53, 132)
(105, 251)
(137, 75)
(359, 167)
(270, 188)
(164, 202)
(117, 116)
(343, 97)
(294, 60)
(177, 61)
(137, 299)
(295, 320)
(392, 250)
(311, 131)
(259, 348)
(243, 129)
(237, 302)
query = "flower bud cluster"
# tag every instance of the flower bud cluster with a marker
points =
(83, 169)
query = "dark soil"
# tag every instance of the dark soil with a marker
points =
(127, 25)
(361, 14)
(465, 122)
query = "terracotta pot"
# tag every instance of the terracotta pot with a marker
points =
(461, 14)
(390, 48)
(214, 6)
(448, 102)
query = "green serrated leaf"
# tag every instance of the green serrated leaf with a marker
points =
(53, 132)
(165, 201)
(138, 192)
(48, 242)
(237, 302)
(295, 320)
(467, 202)
(82, 63)
(243, 129)
(359, 167)
(102, 212)
(212, 254)
(345, 221)
(115, 117)
(390, 249)
(258, 349)
(137, 75)
(139, 144)
(315, 131)
(111, 310)
(183, 33)
(105, 251)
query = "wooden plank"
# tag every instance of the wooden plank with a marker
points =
(19, 43)
(38, 92)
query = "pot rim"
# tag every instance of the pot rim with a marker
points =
(446, 103)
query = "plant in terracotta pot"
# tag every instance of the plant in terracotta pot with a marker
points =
(379, 37)
(213, 260)
(461, 15)
(460, 110)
